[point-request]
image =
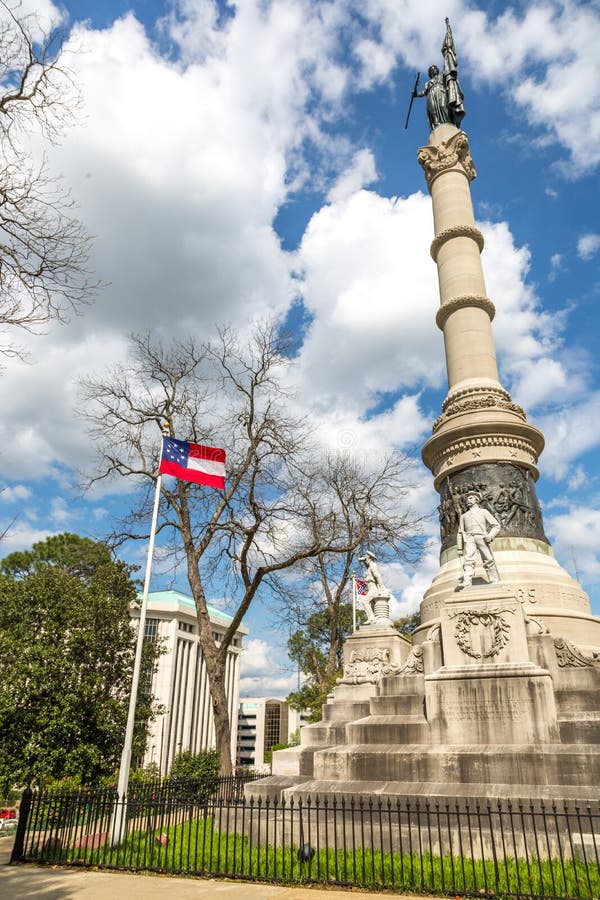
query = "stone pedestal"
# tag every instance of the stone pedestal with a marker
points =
(371, 653)
(488, 691)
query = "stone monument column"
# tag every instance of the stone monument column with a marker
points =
(482, 443)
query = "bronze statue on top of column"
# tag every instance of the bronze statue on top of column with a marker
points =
(444, 96)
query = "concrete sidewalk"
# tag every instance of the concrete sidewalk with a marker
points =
(29, 882)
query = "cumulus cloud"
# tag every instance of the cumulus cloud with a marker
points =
(588, 245)
(576, 538)
(22, 536)
(368, 282)
(570, 431)
(184, 161)
(256, 657)
(14, 493)
(556, 264)
(361, 173)
(541, 58)
(260, 674)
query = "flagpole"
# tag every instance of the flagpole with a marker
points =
(121, 808)
(353, 603)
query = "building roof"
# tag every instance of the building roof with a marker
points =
(179, 599)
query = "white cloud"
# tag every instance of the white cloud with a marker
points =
(361, 173)
(588, 245)
(576, 539)
(556, 265)
(543, 59)
(14, 493)
(256, 657)
(577, 479)
(60, 511)
(264, 670)
(369, 282)
(21, 536)
(570, 431)
(268, 686)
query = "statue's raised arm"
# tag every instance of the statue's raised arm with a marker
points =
(444, 96)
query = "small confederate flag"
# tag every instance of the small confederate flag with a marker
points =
(362, 587)
(193, 462)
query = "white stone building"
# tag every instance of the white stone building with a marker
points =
(262, 723)
(180, 683)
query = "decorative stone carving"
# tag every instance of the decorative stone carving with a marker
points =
(535, 626)
(568, 656)
(455, 231)
(506, 490)
(450, 154)
(464, 300)
(486, 628)
(460, 451)
(434, 633)
(366, 665)
(414, 663)
(475, 398)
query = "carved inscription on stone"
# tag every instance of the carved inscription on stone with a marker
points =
(506, 490)
(481, 634)
(469, 709)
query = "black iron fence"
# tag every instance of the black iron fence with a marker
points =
(511, 849)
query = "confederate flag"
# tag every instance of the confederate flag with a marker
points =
(193, 462)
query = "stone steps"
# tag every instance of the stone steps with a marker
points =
(323, 734)
(581, 727)
(345, 710)
(569, 701)
(388, 730)
(398, 705)
(401, 684)
(558, 764)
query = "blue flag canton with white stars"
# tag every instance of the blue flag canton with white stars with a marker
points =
(175, 451)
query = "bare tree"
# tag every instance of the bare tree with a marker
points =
(373, 510)
(279, 506)
(44, 248)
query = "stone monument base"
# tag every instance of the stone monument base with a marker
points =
(446, 724)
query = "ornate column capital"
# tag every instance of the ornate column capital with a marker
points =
(451, 154)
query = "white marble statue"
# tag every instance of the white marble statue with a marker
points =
(376, 589)
(476, 531)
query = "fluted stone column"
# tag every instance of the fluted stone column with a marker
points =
(482, 441)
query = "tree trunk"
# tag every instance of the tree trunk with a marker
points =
(216, 682)
(215, 659)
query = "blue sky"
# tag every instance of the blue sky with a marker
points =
(236, 161)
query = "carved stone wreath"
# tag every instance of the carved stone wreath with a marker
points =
(492, 619)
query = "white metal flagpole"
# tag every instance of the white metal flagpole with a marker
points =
(353, 603)
(121, 807)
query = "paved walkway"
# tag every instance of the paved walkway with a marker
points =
(29, 882)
